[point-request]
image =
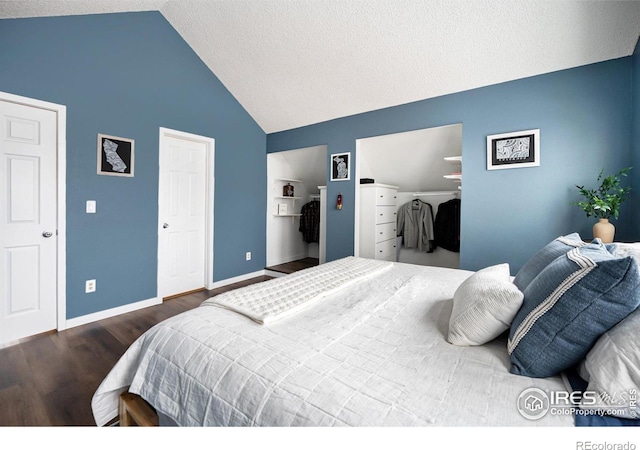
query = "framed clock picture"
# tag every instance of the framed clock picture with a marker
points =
(513, 150)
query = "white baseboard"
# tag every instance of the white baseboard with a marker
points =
(83, 320)
(239, 278)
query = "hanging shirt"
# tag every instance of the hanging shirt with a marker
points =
(310, 221)
(447, 225)
(415, 225)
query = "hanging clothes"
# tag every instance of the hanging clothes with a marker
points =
(310, 221)
(447, 225)
(415, 225)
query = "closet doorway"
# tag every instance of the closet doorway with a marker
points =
(424, 169)
(302, 172)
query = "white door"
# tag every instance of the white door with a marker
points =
(28, 152)
(183, 210)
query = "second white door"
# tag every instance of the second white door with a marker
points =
(183, 186)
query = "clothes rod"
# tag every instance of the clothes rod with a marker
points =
(420, 194)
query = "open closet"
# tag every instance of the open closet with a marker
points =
(295, 215)
(417, 175)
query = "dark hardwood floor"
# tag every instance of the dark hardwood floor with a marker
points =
(49, 380)
(294, 266)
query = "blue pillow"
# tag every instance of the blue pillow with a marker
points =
(568, 306)
(544, 257)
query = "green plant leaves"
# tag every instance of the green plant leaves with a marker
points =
(604, 202)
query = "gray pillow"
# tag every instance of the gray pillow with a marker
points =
(544, 257)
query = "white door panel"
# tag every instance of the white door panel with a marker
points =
(28, 152)
(182, 215)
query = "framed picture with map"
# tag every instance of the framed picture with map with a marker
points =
(513, 150)
(340, 166)
(115, 156)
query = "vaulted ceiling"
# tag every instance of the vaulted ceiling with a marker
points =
(292, 63)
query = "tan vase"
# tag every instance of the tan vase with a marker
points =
(604, 230)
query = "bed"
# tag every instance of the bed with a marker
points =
(353, 342)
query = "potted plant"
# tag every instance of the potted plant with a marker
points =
(604, 203)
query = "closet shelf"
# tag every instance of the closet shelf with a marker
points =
(288, 180)
(457, 172)
(287, 215)
(283, 197)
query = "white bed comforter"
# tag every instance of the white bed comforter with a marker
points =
(371, 354)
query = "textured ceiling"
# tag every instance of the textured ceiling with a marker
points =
(294, 63)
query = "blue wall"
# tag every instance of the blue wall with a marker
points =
(127, 75)
(584, 117)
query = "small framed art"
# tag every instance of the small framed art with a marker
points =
(340, 165)
(513, 150)
(115, 156)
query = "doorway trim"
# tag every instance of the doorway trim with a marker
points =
(356, 203)
(61, 207)
(209, 199)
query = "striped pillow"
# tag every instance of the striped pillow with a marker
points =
(568, 306)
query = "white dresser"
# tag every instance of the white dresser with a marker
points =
(378, 213)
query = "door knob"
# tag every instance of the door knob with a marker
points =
(47, 234)
(165, 225)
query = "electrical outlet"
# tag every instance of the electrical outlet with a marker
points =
(90, 286)
(248, 256)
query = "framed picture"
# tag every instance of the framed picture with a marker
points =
(513, 150)
(115, 156)
(340, 164)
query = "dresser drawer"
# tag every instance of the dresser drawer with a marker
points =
(385, 249)
(385, 231)
(386, 196)
(385, 214)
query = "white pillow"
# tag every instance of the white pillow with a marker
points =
(484, 306)
(627, 249)
(612, 368)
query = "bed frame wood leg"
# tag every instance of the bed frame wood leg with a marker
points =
(135, 411)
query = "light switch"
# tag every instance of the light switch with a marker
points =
(91, 206)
